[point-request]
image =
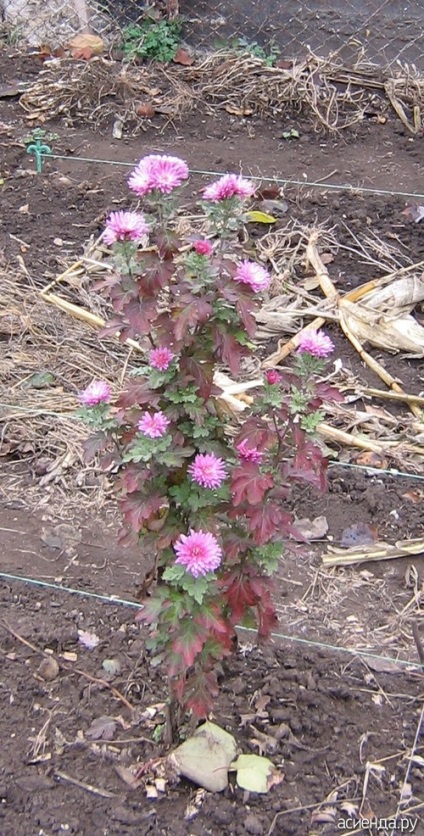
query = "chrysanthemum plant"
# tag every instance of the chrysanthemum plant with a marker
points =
(208, 507)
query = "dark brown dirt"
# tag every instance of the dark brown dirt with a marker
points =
(341, 714)
(334, 719)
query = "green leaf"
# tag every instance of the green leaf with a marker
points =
(196, 587)
(180, 493)
(143, 448)
(260, 217)
(243, 339)
(173, 573)
(255, 774)
(310, 422)
(39, 380)
(269, 555)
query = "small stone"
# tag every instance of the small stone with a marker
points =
(222, 816)
(48, 669)
(239, 686)
(253, 825)
(125, 816)
(280, 715)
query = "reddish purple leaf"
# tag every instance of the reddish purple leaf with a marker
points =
(266, 521)
(244, 310)
(140, 315)
(193, 311)
(138, 394)
(249, 485)
(201, 690)
(200, 373)
(189, 641)
(228, 349)
(94, 444)
(138, 509)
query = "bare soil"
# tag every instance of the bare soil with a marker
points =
(343, 727)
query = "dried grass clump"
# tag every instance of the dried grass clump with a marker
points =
(333, 96)
(46, 358)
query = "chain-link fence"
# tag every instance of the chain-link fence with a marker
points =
(387, 30)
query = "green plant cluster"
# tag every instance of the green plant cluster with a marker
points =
(152, 40)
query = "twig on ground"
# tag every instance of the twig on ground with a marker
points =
(66, 668)
(83, 785)
(418, 642)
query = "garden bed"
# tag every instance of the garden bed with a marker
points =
(344, 715)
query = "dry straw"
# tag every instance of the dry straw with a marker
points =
(331, 95)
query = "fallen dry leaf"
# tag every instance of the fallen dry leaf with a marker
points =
(372, 459)
(413, 495)
(102, 728)
(85, 46)
(127, 776)
(269, 193)
(82, 54)
(326, 815)
(261, 702)
(204, 757)
(61, 536)
(87, 639)
(381, 665)
(183, 57)
(238, 111)
(267, 745)
(415, 211)
(314, 529)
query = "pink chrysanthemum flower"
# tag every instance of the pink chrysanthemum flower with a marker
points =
(249, 454)
(316, 343)
(125, 226)
(160, 172)
(199, 552)
(160, 358)
(208, 470)
(140, 180)
(167, 173)
(251, 273)
(154, 426)
(272, 376)
(96, 392)
(230, 185)
(203, 247)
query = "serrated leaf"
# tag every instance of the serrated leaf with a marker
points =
(256, 217)
(94, 444)
(87, 639)
(102, 728)
(192, 311)
(267, 520)
(173, 573)
(39, 380)
(138, 509)
(189, 641)
(249, 485)
(212, 619)
(255, 773)
(196, 587)
(111, 666)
